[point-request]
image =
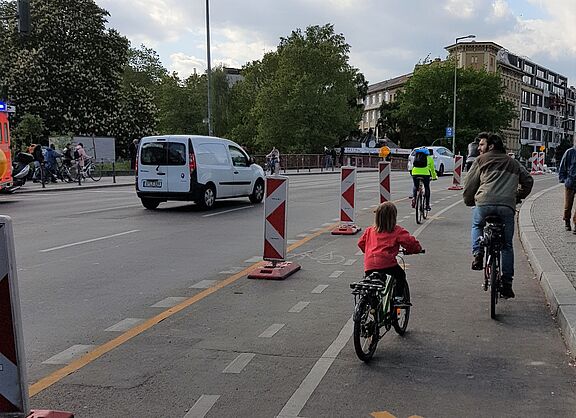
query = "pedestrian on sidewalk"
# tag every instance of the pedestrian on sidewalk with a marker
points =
(494, 185)
(567, 175)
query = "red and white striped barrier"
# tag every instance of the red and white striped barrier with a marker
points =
(384, 171)
(275, 243)
(347, 202)
(541, 160)
(457, 175)
(13, 383)
(535, 164)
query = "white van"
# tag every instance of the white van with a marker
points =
(195, 168)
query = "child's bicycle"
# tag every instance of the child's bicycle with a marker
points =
(378, 304)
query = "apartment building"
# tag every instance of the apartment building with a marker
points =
(544, 102)
(542, 97)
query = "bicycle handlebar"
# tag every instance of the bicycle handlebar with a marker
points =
(403, 251)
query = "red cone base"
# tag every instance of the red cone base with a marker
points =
(44, 413)
(346, 230)
(275, 272)
(455, 187)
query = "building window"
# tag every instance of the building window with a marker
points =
(524, 133)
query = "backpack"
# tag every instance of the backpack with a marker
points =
(76, 154)
(420, 159)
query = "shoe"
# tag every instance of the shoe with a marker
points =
(428, 208)
(506, 290)
(574, 232)
(413, 203)
(568, 227)
(478, 263)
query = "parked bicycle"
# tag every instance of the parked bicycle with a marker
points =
(492, 240)
(420, 202)
(379, 303)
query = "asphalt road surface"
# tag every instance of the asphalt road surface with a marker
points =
(130, 312)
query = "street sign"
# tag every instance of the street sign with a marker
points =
(542, 148)
(449, 132)
(384, 151)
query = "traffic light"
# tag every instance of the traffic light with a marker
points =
(24, 16)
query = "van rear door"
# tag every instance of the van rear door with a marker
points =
(152, 167)
(177, 166)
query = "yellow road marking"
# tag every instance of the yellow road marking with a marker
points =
(99, 351)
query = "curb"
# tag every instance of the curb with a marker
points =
(71, 188)
(559, 291)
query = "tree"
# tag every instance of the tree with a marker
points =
(68, 70)
(30, 130)
(425, 106)
(310, 99)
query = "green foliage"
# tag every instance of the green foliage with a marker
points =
(303, 96)
(425, 107)
(30, 130)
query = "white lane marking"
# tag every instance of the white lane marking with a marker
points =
(125, 324)
(202, 406)
(302, 235)
(226, 211)
(350, 261)
(89, 241)
(292, 241)
(203, 284)
(335, 274)
(238, 364)
(425, 224)
(359, 252)
(254, 259)
(105, 209)
(327, 223)
(70, 354)
(320, 288)
(296, 403)
(232, 270)
(316, 229)
(271, 330)
(299, 307)
(169, 302)
(407, 216)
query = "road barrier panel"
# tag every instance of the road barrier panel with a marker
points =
(457, 175)
(347, 202)
(384, 177)
(541, 159)
(275, 242)
(535, 164)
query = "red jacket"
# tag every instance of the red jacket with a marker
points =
(381, 248)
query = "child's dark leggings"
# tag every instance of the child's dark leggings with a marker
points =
(398, 273)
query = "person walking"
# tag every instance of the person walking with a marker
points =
(273, 159)
(132, 152)
(494, 185)
(567, 175)
(80, 155)
(327, 158)
(51, 163)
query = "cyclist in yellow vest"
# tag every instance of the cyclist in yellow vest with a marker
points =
(428, 172)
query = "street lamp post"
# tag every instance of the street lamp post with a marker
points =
(209, 70)
(454, 110)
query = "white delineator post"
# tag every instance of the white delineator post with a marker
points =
(384, 176)
(13, 382)
(457, 175)
(347, 203)
(275, 243)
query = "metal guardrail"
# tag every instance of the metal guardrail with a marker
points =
(307, 162)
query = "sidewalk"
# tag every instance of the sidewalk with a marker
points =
(551, 251)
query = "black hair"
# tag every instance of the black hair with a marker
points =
(496, 141)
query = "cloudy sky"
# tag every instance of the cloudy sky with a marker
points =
(387, 37)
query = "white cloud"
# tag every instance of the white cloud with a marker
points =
(461, 8)
(500, 9)
(186, 65)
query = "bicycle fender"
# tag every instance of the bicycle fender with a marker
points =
(358, 309)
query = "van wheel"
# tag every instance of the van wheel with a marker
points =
(150, 203)
(440, 171)
(258, 192)
(207, 197)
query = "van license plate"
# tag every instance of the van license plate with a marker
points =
(152, 183)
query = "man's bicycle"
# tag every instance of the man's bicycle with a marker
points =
(492, 240)
(90, 169)
(420, 202)
(379, 304)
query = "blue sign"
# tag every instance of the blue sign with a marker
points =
(449, 133)
(3, 107)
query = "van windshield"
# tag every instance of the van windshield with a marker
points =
(163, 153)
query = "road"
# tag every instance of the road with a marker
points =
(93, 264)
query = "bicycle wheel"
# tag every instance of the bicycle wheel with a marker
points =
(94, 172)
(423, 206)
(365, 331)
(418, 207)
(401, 309)
(494, 286)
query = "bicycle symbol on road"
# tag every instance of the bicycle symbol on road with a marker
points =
(328, 258)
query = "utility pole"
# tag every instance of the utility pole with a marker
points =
(209, 71)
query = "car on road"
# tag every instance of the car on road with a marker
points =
(195, 168)
(443, 159)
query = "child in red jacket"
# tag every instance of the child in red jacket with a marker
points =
(381, 243)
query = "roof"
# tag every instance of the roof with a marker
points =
(391, 83)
